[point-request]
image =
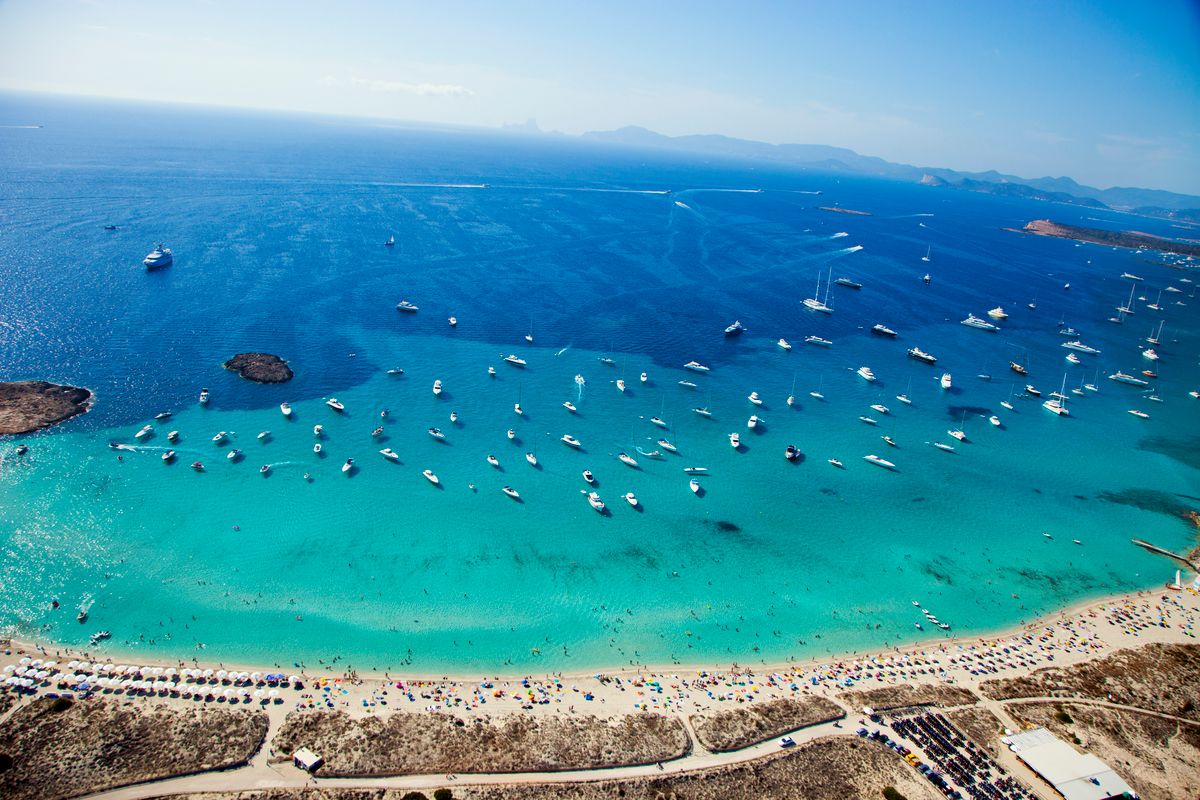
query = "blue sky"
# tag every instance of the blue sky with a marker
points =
(1105, 92)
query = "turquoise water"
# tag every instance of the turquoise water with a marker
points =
(278, 225)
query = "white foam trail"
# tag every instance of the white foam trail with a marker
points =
(854, 249)
(839, 235)
(683, 205)
(560, 352)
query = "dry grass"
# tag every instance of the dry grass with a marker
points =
(404, 743)
(979, 724)
(735, 728)
(62, 749)
(1157, 757)
(1157, 677)
(910, 695)
(836, 768)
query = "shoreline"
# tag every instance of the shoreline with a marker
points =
(20, 647)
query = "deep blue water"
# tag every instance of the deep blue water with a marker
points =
(278, 225)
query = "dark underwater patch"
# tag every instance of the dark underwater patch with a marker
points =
(1185, 450)
(1148, 500)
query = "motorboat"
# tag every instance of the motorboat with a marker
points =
(889, 440)
(266, 468)
(377, 432)
(927, 278)
(837, 463)
(453, 419)
(867, 420)
(285, 409)
(736, 329)
(436, 433)
(404, 305)
(696, 366)
(453, 322)
(627, 460)
(219, 437)
(658, 422)
(234, 454)
(144, 432)
(1140, 414)
(167, 456)
(848, 283)
(994, 420)
(1073, 359)
(204, 397)
(879, 462)
(998, 313)
(973, 321)
(569, 406)
(163, 415)
(621, 384)
(349, 465)
(704, 412)
(570, 441)
(335, 404)
(437, 387)
(752, 423)
(158, 257)
(588, 476)
(172, 436)
(1081, 347)
(694, 485)
(263, 435)
(818, 341)
(695, 470)
(511, 434)
(755, 399)
(515, 360)
(532, 459)
(317, 448)
(631, 498)
(495, 462)
(1029, 389)
(791, 453)
(318, 431)
(668, 446)
(687, 384)
(735, 441)
(595, 502)
(921, 355)
(389, 454)
(1149, 353)
(946, 380)
(866, 374)
(395, 371)
(511, 492)
(429, 476)
(196, 465)
(1149, 373)
(1121, 377)
(643, 377)
(1020, 369)
(491, 372)
(784, 344)
(606, 360)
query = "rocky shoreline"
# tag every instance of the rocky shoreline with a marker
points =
(260, 367)
(27, 406)
(1129, 239)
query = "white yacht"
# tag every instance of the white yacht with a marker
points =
(436, 433)
(752, 423)
(429, 476)
(204, 397)
(946, 381)
(569, 406)
(515, 360)
(285, 409)
(234, 454)
(1141, 414)
(814, 303)
(631, 498)
(882, 330)
(570, 441)
(144, 432)
(588, 476)
(921, 355)
(818, 341)
(404, 305)
(437, 387)
(882, 409)
(643, 377)
(627, 460)
(735, 441)
(694, 485)
(511, 492)
(389, 454)
(349, 465)
(1149, 353)
(334, 404)
(973, 321)
(998, 313)
(866, 374)
(495, 462)
(595, 502)
(532, 459)
(784, 344)
(755, 399)
(1081, 347)
(696, 366)
(879, 462)
(167, 456)
(621, 384)
(158, 257)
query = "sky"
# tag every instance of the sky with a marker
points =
(1107, 93)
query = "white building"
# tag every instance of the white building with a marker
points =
(1074, 775)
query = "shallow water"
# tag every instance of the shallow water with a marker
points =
(278, 224)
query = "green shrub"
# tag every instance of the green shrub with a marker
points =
(1062, 716)
(60, 705)
(414, 796)
(6, 762)
(890, 793)
(443, 794)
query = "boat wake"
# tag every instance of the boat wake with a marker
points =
(853, 249)
(560, 352)
(682, 204)
(839, 235)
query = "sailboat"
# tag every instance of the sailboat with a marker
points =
(903, 398)
(814, 302)
(1008, 403)
(1128, 307)
(529, 336)
(1156, 305)
(928, 250)
(960, 434)
(1156, 338)
(1058, 403)
(791, 398)
(517, 405)
(817, 394)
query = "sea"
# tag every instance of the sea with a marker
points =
(278, 224)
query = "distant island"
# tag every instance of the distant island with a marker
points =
(27, 406)
(838, 210)
(260, 367)
(1130, 239)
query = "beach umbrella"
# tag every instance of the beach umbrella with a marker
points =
(229, 693)
(273, 693)
(37, 662)
(208, 673)
(222, 674)
(255, 676)
(26, 659)
(10, 667)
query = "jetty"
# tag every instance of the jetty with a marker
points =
(1153, 548)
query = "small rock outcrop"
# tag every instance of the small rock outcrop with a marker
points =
(260, 367)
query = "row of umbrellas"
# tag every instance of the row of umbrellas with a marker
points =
(33, 666)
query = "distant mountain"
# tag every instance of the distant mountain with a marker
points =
(1152, 202)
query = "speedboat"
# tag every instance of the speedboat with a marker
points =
(879, 462)
(196, 465)
(695, 470)
(395, 371)
(754, 398)
(998, 313)
(429, 476)
(973, 321)
(1029, 389)
(1150, 354)
(453, 419)
(377, 432)
(515, 360)
(687, 384)
(694, 485)
(927, 278)
(158, 257)
(389, 454)
(495, 462)
(588, 476)
(349, 465)
(695, 366)
(866, 374)
(144, 432)
(167, 456)
(817, 340)
(791, 453)
(437, 434)
(835, 462)
(234, 454)
(453, 322)
(265, 468)
(946, 381)
(569, 406)
(921, 355)
(735, 329)
(704, 412)
(784, 344)
(882, 409)
(172, 436)
(752, 423)
(882, 330)
(621, 384)
(317, 448)
(285, 409)
(631, 498)
(1081, 347)
(627, 460)
(512, 434)
(204, 397)
(404, 305)
(511, 492)
(334, 404)
(994, 420)
(437, 387)
(1149, 373)
(163, 415)
(735, 441)
(1073, 359)
(890, 441)
(658, 422)
(643, 377)
(595, 502)
(1141, 414)
(867, 420)
(219, 437)
(318, 431)
(665, 445)
(848, 283)
(570, 441)
(532, 459)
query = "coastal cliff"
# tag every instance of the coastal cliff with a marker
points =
(260, 367)
(27, 406)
